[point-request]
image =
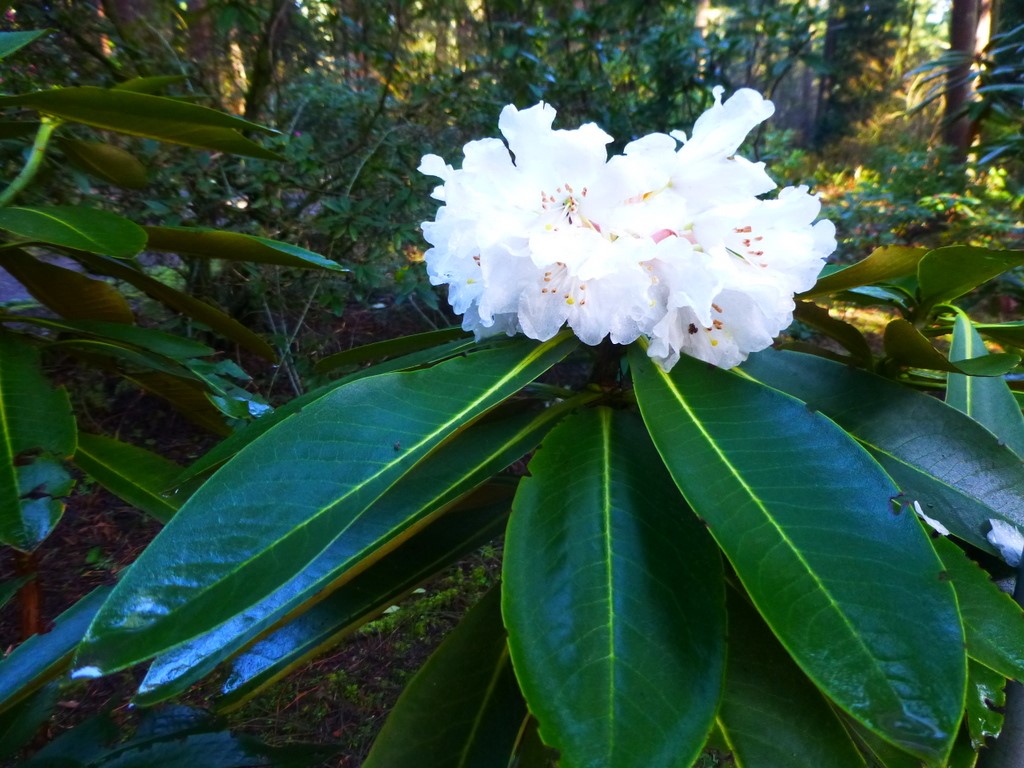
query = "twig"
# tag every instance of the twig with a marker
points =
(35, 159)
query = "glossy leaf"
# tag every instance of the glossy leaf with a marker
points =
(771, 714)
(848, 335)
(881, 753)
(86, 229)
(37, 432)
(806, 519)
(70, 294)
(463, 708)
(106, 162)
(1011, 334)
(217, 244)
(908, 346)
(358, 601)
(13, 41)
(948, 273)
(986, 698)
(883, 264)
(283, 500)
(382, 350)
(142, 114)
(133, 474)
(988, 401)
(471, 457)
(939, 457)
(613, 600)
(41, 658)
(993, 622)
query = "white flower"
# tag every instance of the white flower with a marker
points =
(665, 241)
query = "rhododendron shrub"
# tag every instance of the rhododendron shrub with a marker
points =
(791, 560)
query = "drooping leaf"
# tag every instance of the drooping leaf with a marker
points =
(106, 162)
(938, 457)
(807, 521)
(37, 432)
(12, 41)
(358, 601)
(908, 346)
(284, 499)
(41, 658)
(463, 709)
(986, 698)
(771, 714)
(134, 474)
(164, 344)
(883, 264)
(143, 114)
(470, 458)
(1005, 333)
(848, 335)
(948, 273)
(217, 244)
(189, 397)
(389, 348)
(988, 401)
(606, 579)
(152, 84)
(70, 294)
(86, 229)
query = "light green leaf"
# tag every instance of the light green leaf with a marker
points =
(216, 244)
(948, 273)
(134, 474)
(142, 114)
(882, 265)
(37, 431)
(939, 457)
(463, 709)
(613, 600)
(285, 498)
(86, 229)
(106, 162)
(771, 714)
(806, 518)
(988, 401)
(12, 41)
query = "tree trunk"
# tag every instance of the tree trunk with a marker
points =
(963, 31)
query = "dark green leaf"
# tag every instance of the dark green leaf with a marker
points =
(938, 456)
(908, 346)
(988, 401)
(160, 343)
(849, 336)
(16, 129)
(1005, 333)
(107, 162)
(216, 244)
(142, 114)
(986, 698)
(12, 41)
(806, 518)
(86, 229)
(358, 601)
(22, 721)
(10, 587)
(948, 273)
(771, 714)
(67, 292)
(41, 658)
(37, 431)
(383, 350)
(134, 474)
(884, 264)
(283, 500)
(613, 600)
(463, 709)
(153, 84)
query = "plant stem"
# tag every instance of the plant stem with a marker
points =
(30, 595)
(35, 159)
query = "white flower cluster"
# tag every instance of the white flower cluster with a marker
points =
(668, 240)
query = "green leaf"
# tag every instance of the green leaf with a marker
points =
(153, 84)
(358, 601)
(165, 344)
(455, 468)
(849, 336)
(87, 229)
(613, 600)
(284, 499)
(215, 244)
(938, 456)
(948, 273)
(9, 588)
(771, 714)
(993, 622)
(22, 721)
(37, 431)
(142, 114)
(12, 41)
(908, 346)
(70, 294)
(463, 708)
(986, 699)
(988, 401)
(883, 264)
(16, 129)
(134, 474)
(106, 162)
(807, 521)
(389, 348)
(41, 658)
(187, 305)
(1011, 334)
